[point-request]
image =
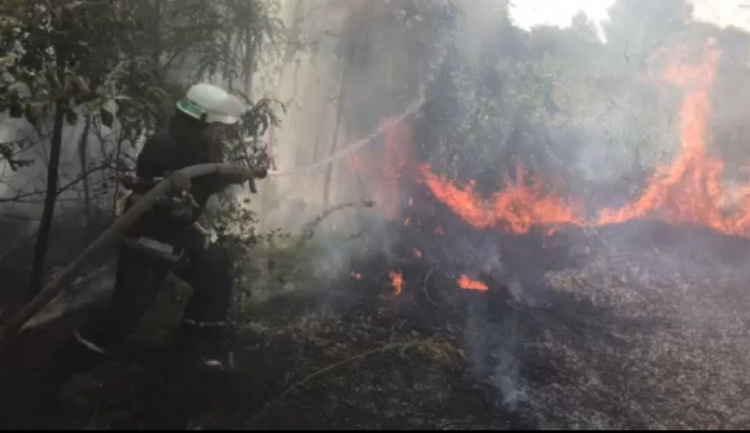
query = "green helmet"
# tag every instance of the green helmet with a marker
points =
(211, 104)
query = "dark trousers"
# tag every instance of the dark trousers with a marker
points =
(139, 278)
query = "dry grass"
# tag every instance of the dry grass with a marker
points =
(650, 340)
(671, 354)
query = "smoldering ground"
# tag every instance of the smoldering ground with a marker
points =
(622, 135)
(639, 324)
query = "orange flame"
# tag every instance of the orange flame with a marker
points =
(517, 208)
(689, 191)
(385, 168)
(467, 283)
(397, 282)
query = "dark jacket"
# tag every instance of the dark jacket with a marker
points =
(177, 147)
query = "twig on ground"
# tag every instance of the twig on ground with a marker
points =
(309, 229)
(301, 383)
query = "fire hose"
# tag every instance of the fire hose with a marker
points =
(138, 209)
(161, 190)
(412, 109)
(158, 192)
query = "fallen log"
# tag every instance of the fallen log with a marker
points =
(127, 219)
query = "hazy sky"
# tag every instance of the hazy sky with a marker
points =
(527, 13)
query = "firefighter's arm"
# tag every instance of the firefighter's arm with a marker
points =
(156, 161)
(154, 164)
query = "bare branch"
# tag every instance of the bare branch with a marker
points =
(19, 198)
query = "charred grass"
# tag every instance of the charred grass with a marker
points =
(651, 339)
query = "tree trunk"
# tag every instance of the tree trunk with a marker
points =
(339, 112)
(316, 146)
(83, 156)
(160, 120)
(118, 152)
(45, 226)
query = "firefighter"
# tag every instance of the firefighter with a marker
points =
(169, 239)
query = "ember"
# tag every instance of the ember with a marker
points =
(467, 283)
(397, 282)
(517, 208)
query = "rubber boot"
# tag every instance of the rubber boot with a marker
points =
(202, 352)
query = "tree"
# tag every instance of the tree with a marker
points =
(49, 47)
(385, 53)
(117, 64)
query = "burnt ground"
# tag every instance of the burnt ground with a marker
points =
(302, 362)
(639, 326)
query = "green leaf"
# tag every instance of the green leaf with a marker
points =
(80, 85)
(71, 116)
(34, 112)
(7, 61)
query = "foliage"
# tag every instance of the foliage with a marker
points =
(122, 57)
(565, 103)
(9, 152)
(234, 224)
(122, 65)
(122, 61)
(245, 144)
(57, 51)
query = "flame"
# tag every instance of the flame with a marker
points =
(356, 275)
(690, 190)
(467, 283)
(385, 167)
(517, 208)
(397, 282)
(417, 253)
(687, 191)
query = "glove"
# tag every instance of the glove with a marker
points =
(180, 208)
(180, 183)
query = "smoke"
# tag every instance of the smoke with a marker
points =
(577, 109)
(22, 192)
(579, 106)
